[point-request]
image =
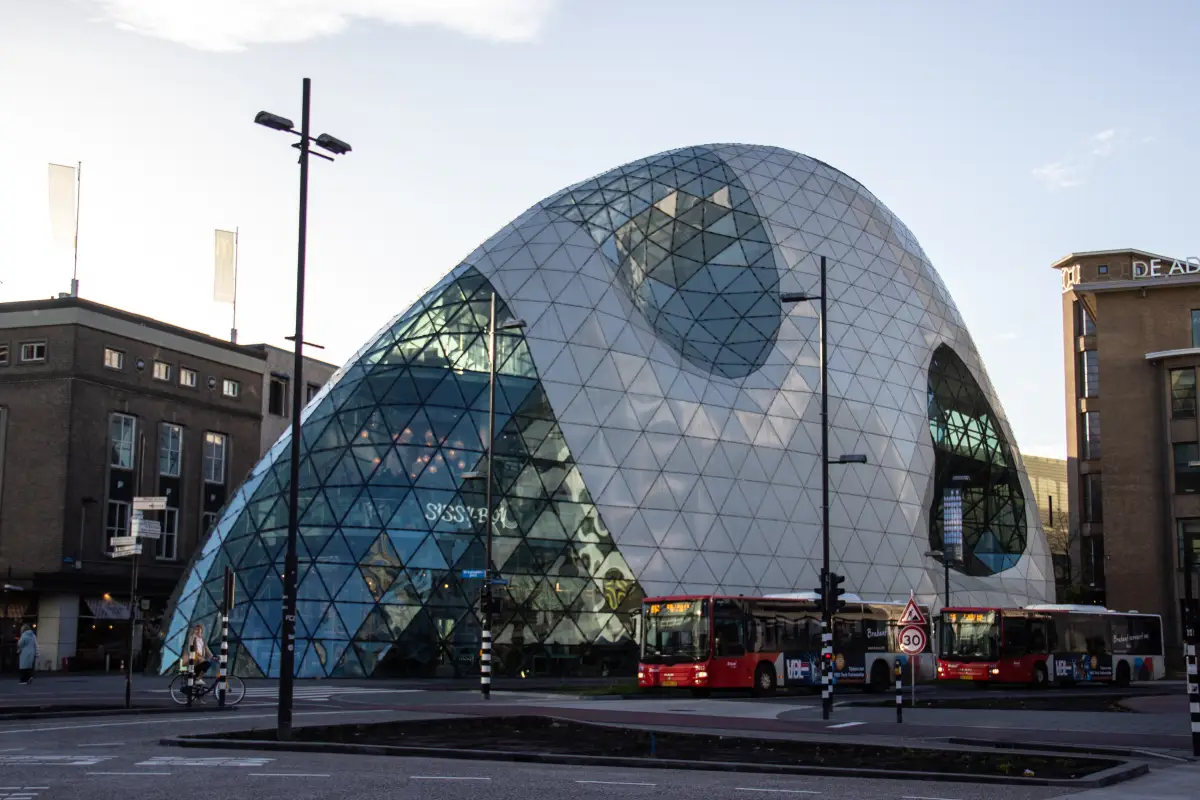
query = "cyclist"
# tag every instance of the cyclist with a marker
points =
(201, 655)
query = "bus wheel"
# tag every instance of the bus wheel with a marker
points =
(880, 677)
(1123, 674)
(1040, 679)
(764, 680)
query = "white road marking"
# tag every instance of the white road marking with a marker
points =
(619, 783)
(169, 720)
(102, 744)
(781, 791)
(182, 761)
(55, 760)
(289, 774)
(919, 797)
(446, 778)
(846, 725)
(129, 773)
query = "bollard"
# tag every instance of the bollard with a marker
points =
(899, 692)
(1193, 685)
(826, 670)
(223, 677)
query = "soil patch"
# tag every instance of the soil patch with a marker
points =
(544, 735)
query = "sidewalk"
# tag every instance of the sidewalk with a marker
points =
(1172, 783)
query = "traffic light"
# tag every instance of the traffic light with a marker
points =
(836, 591)
(820, 590)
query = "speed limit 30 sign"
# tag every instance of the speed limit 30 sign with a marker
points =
(913, 640)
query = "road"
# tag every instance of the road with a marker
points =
(119, 756)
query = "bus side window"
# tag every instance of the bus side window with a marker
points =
(1039, 640)
(729, 627)
(1015, 638)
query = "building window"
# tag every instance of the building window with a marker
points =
(1087, 325)
(312, 390)
(35, 352)
(1102, 269)
(116, 521)
(215, 446)
(114, 359)
(231, 388)
(168, 540)
(121, 428)
(1089, 373)
(1093, 507)
(4, 355)
(1183, 393)
(1196, 329)
(277, 396)
(1093, 561)
(207, 520)
(1187, 468)
(1189, 535)
(1091, 435)
(170, 450)
(188, 377)
(162, 371)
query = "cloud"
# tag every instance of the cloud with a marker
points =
(232, 25)
(1074, 169)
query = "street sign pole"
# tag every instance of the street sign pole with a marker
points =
(133, 572)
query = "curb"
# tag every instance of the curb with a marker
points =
(1108, 777)
(109, 712)
(1082, 749)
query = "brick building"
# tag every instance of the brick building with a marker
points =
(97, 405)
(1131, 335)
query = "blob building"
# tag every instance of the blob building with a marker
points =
(657, 432)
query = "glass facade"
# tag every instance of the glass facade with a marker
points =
(655, 434)
(972, 452)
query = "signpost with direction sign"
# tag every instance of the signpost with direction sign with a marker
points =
(913, 639)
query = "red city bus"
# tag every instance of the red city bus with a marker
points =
(1042, 643)
(706, 642)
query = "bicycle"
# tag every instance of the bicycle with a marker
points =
(180, 690)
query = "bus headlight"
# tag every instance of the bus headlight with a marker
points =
(995, 670)
(641, 676)
(701, 675)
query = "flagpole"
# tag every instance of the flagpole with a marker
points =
(233, 330)
(78, 197)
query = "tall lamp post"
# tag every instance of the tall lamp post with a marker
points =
(287, 653)
(827, 600)
(485, 643)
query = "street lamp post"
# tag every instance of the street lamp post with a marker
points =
(287, 653)
(485, 645)
(827, 599)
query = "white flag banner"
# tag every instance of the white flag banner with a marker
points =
(62, 204)
(225, 273)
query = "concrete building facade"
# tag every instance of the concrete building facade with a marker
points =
(96, 406)
(1131, 335)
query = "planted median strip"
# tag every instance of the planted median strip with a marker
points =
(549, 740)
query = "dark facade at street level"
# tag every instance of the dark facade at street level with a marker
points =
(1131, 334)
(92, 400)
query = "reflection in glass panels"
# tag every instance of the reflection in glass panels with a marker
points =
(691, 252)
(973, 454)
(389, 523)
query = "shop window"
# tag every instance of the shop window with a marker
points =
(1183, 393)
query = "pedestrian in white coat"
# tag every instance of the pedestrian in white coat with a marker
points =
(27, 649)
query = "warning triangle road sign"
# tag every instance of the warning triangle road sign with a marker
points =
(912, 613)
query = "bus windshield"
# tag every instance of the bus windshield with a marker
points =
(675, 632)
(969, 636)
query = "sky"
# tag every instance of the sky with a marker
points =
(1005, 135)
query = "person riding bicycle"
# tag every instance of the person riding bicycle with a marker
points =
(200, 654)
